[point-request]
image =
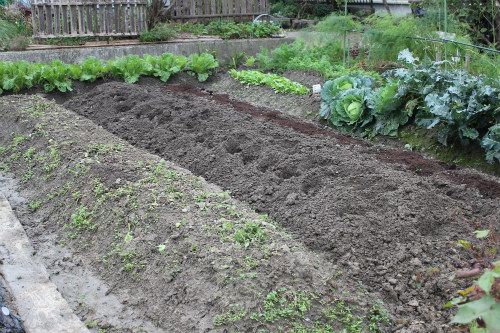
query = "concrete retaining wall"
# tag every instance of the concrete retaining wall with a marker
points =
(223, 48)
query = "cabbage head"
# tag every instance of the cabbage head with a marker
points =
(348, 108)
(388, 109)
(333, 88)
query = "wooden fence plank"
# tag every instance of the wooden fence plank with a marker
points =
(60, 18)
(126, 22)
(132, 23)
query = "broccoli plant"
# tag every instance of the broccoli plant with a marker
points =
(491, 143)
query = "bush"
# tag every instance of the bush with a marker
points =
(338, 23)
(223, 28)
(161, 32)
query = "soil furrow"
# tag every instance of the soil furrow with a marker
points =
(390, 225)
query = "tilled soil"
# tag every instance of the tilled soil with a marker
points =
(390, 218)
(137, 244)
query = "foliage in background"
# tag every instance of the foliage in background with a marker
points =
(19, 75)
(224, 28)
(338, 23)
(278, 83)
(386, 36)
(322, 58)
(302, 8)
(481, 18)
(160, 32)
(15, 28)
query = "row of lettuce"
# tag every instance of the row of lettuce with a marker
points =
(20, 75)
(454, 104)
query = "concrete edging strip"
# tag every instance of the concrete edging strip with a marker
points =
(38, 302)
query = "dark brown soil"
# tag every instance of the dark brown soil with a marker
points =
(104, 207)
(391, 219)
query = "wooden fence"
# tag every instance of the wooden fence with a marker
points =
(75, 18)
(202, 10)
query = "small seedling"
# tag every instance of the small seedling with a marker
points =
(34, 205)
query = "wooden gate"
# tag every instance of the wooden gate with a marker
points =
(203, 10)
(75, 18)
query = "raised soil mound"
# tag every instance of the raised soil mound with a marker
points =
(391, 219)
(135, 243)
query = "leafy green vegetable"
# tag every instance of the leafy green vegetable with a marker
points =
(202, 65)
(343, 100)
(92, 69)
(348, 108)
(57, 75)
(130, 68)
(165, 65)
(491, 143)
(278, 83)
(19, 75)
(332, 89)
(388, 110)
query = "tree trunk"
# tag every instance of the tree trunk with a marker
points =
(372, 7)
(386, 5)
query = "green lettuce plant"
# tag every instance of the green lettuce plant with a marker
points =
(278, 83)
(130, 68)
(166, 65)
(202, 65)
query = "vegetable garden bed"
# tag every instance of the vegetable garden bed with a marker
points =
(385, 221)
(394, 229)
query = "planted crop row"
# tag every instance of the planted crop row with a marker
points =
(455, 104)
(20, 75)
(278, 83)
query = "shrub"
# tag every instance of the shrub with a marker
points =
(161, 32)
(338, 23)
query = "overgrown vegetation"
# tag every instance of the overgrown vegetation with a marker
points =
(224, 28)
(19, 75)
(15, 27)
(278, 83)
